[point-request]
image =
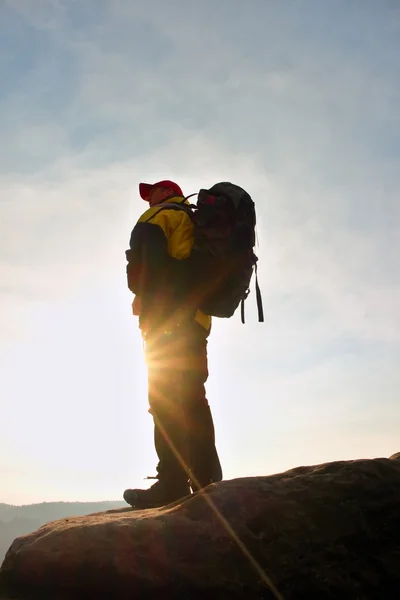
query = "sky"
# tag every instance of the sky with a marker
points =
(295, 101)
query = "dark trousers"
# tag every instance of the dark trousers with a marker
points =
(183, 426)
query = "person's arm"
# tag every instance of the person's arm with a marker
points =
(149, 273)
(147, 258)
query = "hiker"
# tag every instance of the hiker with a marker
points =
(175, 332)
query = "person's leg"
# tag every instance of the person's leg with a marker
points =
(203, 456)
(164, 382)
(164, 387)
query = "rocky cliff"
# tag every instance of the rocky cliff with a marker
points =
(328, 531)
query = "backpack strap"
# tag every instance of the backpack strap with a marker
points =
(242, 307)
(259, 301)
(187, 197)
(187, 208)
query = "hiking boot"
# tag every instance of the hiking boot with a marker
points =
(159, 494)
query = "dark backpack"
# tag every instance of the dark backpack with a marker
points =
(222, 259)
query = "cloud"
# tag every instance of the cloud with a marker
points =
(43, 14)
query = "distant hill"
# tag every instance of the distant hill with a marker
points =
(18, 520)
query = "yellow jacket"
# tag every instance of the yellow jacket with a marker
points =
(157, 271)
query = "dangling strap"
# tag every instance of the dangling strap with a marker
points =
(259, 300)
(242, 310)
(247, 292)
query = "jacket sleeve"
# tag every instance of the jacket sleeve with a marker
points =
(160, 280)
(147, 259)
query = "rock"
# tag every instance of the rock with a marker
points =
(326, 532)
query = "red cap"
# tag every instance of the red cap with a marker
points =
(145, 188)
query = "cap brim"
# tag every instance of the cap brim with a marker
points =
(145, 189)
